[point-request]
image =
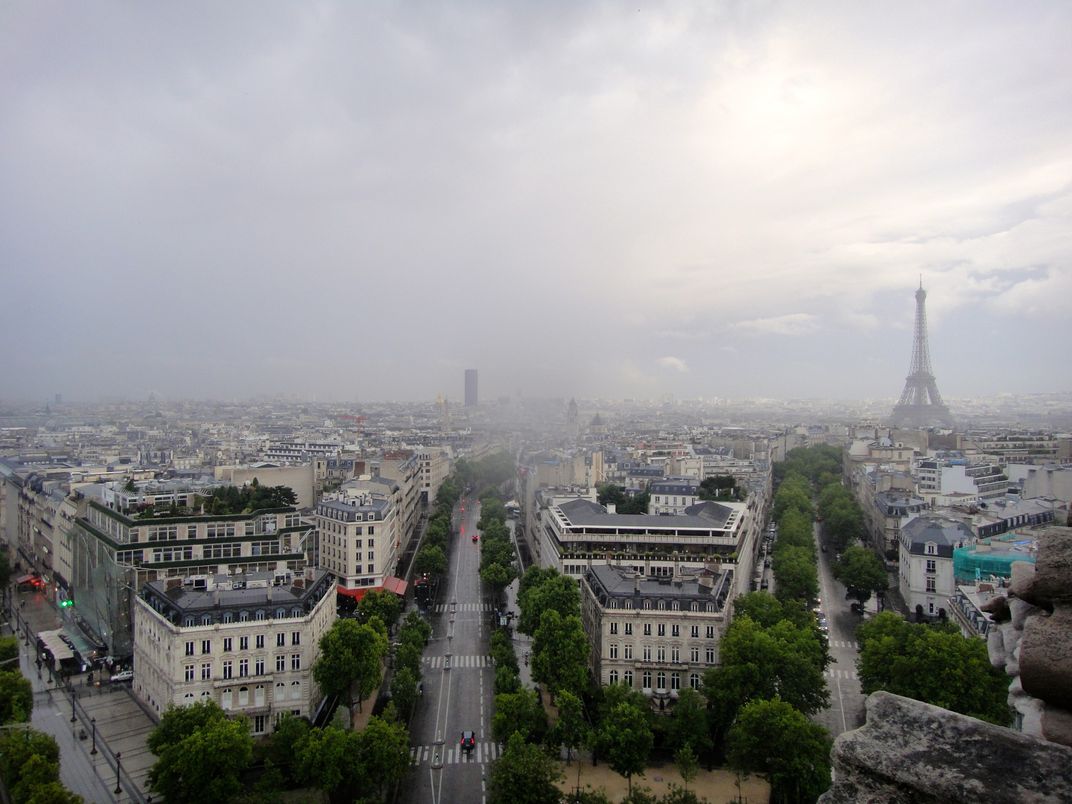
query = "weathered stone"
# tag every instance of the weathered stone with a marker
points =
(1057, 725)
(1011, 637)
(998, 607)
(1020, 610)
(909, 751)
(995, 648)
(1046, 658)
(1027, 708)
(1022, 575)
(1053, 566)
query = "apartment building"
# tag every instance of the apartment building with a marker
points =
(435, 466)
(673, 495)
(245, 641)
(942, 476)
(358, 536)
(114, 552)
(926, 576)
(657, 635)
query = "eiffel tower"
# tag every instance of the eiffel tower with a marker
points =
(920, 404)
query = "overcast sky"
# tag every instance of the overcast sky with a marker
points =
(361, 200)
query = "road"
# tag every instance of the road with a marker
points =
(458, 683)
(846, 710)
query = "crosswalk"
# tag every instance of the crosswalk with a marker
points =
(453, 754)
(465, 606)
(849, 675)
(436, 662)
(840, 643)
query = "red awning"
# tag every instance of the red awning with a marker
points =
(396, 585)
(358, 593)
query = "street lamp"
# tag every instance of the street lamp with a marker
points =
(74, 717)
(118, 788)
(93, 729)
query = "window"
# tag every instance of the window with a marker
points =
(228, 644)
(646, 680)
(628, 629)
(258, 667)
(614, 628)
(188, 699)
(206, 672)
(932, 549)
(675, 630)
(260, 641)
(614, 650)
(295, 637)
(206, 646)
(647, 653)
(695, 632)
(295, 661)
(931, 585)
(258, 695)
(709, 655)
(694, 655)
(694, 681)
(243, 643)
(710, 632)
(647, 629)
(931, 565)
(628, 651)
(660, 654)
(188, 672)
(243, 696)
(243, 668)
(260, 722)
(280, 663)
(660, 680)
(295, 690)
(225, 699)
(662, 629)
(280, 640)
(675, 681)
(675, 654)
(280, 691)
(612, 677)
(627, 678)
(228, 669)
(190, 648)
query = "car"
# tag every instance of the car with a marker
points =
(824, 548)
(475, 537)
(123, 675)
(468, 742)
(766, 562)
(763, 584)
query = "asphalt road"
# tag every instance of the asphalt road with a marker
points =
(846, 710)
(458, 683)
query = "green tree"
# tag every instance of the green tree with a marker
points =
(179, 722)
(9, 649)
(687, 763)
(934, 664)
(519, 712)
(795, 575)
(688, 723)
(560, 652)
(719, 487)
(404, 691)
(380, 603)
(524, 774)
(625, 737)
(349, 663)
(431, 560)
(17, 746)
(282, 746)
(16, 697)
(548, 591)
(330, 760)
(498, 577)
(206, 765)
(862, 572)
(570, 728)
(53, 793)
(506, 680)
(383, 748)
(776, 740)
(766, 610)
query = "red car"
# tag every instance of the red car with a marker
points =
(475, 537)
(468, 742)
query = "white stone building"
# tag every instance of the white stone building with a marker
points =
(926, 576)
(247, 642)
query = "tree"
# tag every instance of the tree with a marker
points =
(431, 560)
(551, 592)
(330, 760)
(17, 746)
(179, 722)
(773, 738)
(569, 730)
(766, 610)
(404, 691)
(934, 664)
(379, 603)
(206, 765)
(519, 712)
(282, 746)
(350, 660)
(506, 680)
(625, 737)
(862, 573)
(795, 574)
(560, 652)
(719, 487)
(688, 723)
(383, 748)
(16, 697)
(687, 763)
(524, 774)
(53, 793)
(498, 577)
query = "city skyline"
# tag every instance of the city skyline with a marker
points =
(699, 201)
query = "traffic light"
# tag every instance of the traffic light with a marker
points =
(66, 604)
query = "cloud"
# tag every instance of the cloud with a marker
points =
(673, 363)
(789, 324)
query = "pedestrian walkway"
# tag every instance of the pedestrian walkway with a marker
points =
(839, 643)
(488, 607)
(453, 754)
(436, 662)
(844, 674)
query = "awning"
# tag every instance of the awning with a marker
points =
(56, 646)
(396, 585)
(357, 593)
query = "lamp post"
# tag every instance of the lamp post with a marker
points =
(93, 730)
(118, 788)
(74, 717)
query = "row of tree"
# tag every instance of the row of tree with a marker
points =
(497, 565)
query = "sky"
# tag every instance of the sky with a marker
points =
(357, 201)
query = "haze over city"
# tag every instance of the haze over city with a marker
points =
(359, 201)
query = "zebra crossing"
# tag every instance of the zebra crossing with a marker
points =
(849, 675)
(440, 607)
(453, 754)
(840, 643)
(436, 662)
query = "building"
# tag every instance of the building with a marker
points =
(116, 550)
(435, 467)
(300, 478)
(926, 577)
(673, 495)
(941, 476)
(471, 398)
(245, 641)
(654, 634)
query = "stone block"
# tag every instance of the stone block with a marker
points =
(1046, 658)
(1053, 566)
(995, 648)
(1057, 725)
(1022, 574)
(1020, 611)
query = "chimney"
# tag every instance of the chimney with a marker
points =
(612, 508)
(636, 582)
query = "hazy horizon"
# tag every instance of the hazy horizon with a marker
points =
(360, 201)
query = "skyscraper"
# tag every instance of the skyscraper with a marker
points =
(470, 388)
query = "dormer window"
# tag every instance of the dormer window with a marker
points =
(931, 549)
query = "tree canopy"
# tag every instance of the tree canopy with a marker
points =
(350, 658)
(545, 590)
(519, 712)
(524, 774)
(625, 738)
(560, 652)
(206, 764)
(862, 572)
